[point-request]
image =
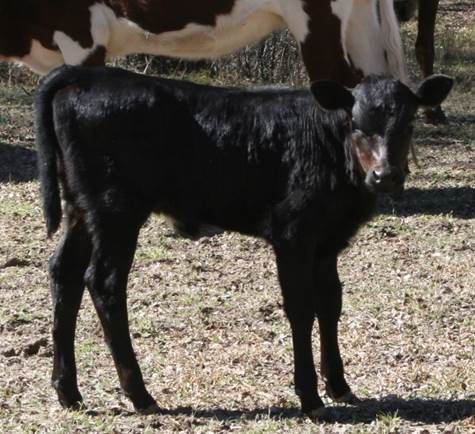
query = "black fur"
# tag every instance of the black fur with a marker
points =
(241, 160)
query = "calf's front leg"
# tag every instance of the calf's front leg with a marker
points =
(295, 276)
(328, 303)
(107, 276)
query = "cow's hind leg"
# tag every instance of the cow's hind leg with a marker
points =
(328, 303)
(112, 256)
(295, 276)
(67, 267)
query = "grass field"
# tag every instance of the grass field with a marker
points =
(207, 319)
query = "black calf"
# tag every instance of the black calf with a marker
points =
(269, 163)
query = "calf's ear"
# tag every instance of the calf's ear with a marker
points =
(434, 89)
(332, 95)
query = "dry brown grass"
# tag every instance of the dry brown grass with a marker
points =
(206, 316)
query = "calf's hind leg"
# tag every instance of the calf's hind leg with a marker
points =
(67, 267)
(112, 256)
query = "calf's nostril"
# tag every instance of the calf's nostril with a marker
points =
(377, 175)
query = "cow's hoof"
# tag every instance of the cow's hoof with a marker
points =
(150, 409)
(348, 398)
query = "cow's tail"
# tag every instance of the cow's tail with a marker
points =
(47, 144)
(392, 41)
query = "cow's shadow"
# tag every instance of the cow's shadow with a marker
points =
(456, 201)
(17, 163)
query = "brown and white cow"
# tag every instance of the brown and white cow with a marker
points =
(339, 39)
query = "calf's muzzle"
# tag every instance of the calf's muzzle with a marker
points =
(387, 179)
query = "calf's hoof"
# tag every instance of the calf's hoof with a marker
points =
(147, 406)
(69, 398)
(151, 409)
(348, 398)
(72, 404)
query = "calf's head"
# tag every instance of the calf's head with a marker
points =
(382, 112)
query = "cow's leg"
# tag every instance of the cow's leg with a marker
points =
(328, 304)
(425, 51)
(112, 256)
(296, 281)
(67, 267)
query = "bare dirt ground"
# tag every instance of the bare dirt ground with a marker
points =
(206, 316)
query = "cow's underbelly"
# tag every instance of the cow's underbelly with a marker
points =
(194, 41)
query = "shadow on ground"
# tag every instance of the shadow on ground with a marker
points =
(17, 163)
(457, 201)
(426, 411)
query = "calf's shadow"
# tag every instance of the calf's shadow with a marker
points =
(17, 163)
(426, 411)
(456, 201)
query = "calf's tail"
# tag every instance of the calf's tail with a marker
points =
(47, 143)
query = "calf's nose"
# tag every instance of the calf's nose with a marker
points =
(387, 179)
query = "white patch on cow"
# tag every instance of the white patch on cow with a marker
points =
(342, 9)
(100, 29)
(41, 59)
(73, 52)
(365, 40)
(250, 20)
(296, 18)
(392, 40)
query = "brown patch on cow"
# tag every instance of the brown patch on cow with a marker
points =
(169, 15)
(322, 51)
(18, 26)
